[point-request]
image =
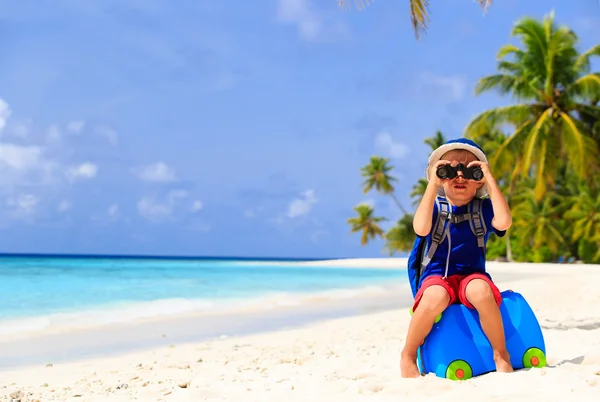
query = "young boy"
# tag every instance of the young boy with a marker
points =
(458, 275)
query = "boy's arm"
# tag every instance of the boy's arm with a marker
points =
(502, 219)
(423, 216)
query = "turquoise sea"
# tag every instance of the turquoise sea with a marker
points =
(37, 292)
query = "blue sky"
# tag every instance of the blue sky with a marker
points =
(228, 127)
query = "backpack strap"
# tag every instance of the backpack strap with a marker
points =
(474, 215)
(478, 226)
(438, 233)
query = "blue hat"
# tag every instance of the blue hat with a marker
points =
(458, 143)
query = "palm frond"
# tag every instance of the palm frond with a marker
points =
(537, 131)
(509, 49)
(582, 63)
(513, 114)
(586, 88)
(582, 149)
(419, 11)
(504, 84)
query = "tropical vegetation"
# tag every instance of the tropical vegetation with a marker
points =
(544, 151)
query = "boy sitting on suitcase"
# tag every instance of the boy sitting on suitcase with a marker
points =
(454, 268)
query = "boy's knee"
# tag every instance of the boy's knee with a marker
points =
(435, 299)
(479, 291)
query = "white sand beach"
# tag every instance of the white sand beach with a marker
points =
(347, 359)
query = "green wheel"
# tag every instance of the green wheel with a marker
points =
(534, 357)
(437, 319)
(459, 370)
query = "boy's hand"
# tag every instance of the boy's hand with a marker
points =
(487, 173)
(434, 179)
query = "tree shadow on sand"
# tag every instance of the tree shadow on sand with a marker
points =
(586, 327)
(575, 360)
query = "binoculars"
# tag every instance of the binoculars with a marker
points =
(448, 172)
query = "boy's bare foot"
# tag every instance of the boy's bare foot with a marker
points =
(408, 367)
(503, 363)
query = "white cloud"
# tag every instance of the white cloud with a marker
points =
(34, 168)
(113, 211)
(159, 172)
(23, 205)
(75, 126)
(152, 210)
(370, 202)
(64, 206)
(156, 210)
(311, 24)
(453, 86)
(302, 206)
(20, 157)
(86, 170)
(386, 144)
(5, 113)
(24, 165)
(301, 14)
(197, 206)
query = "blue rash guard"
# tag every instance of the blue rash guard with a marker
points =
(466, 257)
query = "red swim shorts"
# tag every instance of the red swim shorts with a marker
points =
(456, 286)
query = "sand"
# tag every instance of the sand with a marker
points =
(347, 359)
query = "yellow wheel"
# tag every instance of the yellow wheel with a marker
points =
(437, 319)
(534, 357)
(459, 370)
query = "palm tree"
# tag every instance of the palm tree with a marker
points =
(418, 190)
(402, 236)
(366, 223)
(554, 80)
(585, 213)
(436, 141)
(592, 122)
(539, 221)
(491, 138)
(376, 175)
(419, 11)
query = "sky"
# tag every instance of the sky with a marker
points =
(231, 128)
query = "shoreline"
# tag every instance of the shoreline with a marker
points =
(172, 304)
(65, 344)
(166, 309)
(358, 263)
(156, 311)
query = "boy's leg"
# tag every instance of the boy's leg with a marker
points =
(432, 299)
(479, 292)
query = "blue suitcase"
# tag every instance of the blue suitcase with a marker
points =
(457, 349)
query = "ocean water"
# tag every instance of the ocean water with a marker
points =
(42, 292)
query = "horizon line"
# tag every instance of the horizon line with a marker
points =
(157, 256)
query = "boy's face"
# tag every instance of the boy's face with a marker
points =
(460, 190)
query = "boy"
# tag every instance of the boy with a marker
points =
(457, 274)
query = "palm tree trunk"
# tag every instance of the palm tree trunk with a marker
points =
(398, 203)
(511, 189)
(508, 249)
